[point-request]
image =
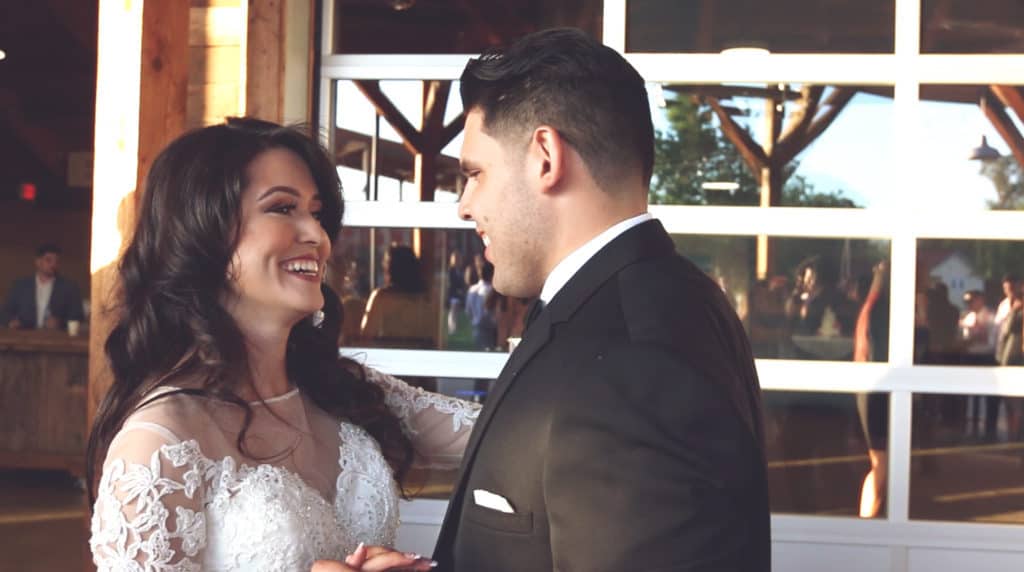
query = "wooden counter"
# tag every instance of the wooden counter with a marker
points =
(43, 378)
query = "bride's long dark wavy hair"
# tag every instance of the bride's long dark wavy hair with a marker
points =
(174, 272)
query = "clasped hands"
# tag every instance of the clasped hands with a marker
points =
(376, 559)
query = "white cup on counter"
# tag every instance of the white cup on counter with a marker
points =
(73, 327)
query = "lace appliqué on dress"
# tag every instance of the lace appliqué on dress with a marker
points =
(119, 543)
(367, 499)
(253, 518)
(405, 401)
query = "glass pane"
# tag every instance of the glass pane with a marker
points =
(425, 297)
(967, 310)
(450, 26)
(818, 448)
(435, 483)
(972, 27)
(807, 301)
(781, 26)
(375, 161)
(971, 137)
(966, 459)
(731, 144)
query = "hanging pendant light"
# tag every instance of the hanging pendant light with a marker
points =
(984, 152)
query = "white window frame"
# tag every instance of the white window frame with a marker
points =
(900, 220)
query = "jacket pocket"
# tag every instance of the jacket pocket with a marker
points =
(516, 523)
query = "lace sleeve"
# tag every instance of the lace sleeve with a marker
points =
(148, 512)
(438, 425)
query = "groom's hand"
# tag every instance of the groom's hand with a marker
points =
(375, 559)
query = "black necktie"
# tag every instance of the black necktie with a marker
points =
(532, 313)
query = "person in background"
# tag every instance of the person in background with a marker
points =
(871, 343)
(45, 299)
(485, 325)
(399, 314)
(977, 330)
(1009, 351)
(456, 290)
(978, 334)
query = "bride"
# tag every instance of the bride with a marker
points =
(233, 438)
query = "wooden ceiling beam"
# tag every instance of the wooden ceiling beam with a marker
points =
(453, 128)
(705, 30)
(833, 104)
(1012, 96)
(752, 153)
(78, 19)
(411, 136)
(996, 114)
(43, 143)
(801, 120)
(435, 103)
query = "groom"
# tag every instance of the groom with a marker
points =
(625, 431)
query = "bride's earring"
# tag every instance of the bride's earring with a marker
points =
(317, 318)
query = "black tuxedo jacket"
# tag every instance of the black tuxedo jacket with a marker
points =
(65, 302)
(625, 430)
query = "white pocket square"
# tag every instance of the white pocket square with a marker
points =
(492, 501)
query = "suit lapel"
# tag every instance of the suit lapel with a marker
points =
(534, 339)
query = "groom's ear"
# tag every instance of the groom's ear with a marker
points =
(546, 157)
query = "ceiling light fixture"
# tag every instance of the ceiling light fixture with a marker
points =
(984, 152)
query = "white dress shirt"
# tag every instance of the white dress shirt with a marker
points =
(43, 292)
(571, 264)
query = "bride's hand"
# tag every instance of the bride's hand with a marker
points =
(376, 559)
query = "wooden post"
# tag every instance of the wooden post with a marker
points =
(142, 80)
(434, 103)
(265, 59)
(141, 92)
(770, 178)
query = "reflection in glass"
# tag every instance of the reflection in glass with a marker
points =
(434, 296)
(452, 27)
(968, 303)
(376, 152)
(811, 299)
(972, 27)
(780, 26)
(962, 173)
(967, 458)
(773, 145)
(816, 449)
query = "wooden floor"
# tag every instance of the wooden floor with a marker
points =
(43, 522)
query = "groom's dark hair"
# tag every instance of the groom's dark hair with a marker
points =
(564, 79)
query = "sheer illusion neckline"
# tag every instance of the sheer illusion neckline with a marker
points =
(276, 399)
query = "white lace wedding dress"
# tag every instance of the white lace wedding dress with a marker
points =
(177, 495)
